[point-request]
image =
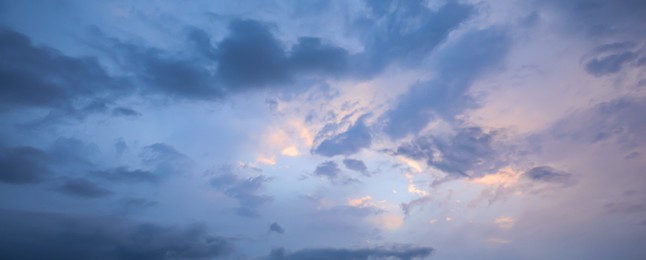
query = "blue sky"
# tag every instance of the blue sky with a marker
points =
(322, 129)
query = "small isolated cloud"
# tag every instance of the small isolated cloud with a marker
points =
(331, 171)
(505, 222)
(328, 169)
(400, 252)
(275, 227)
(550, 175)
(355, 165)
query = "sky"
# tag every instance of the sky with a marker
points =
(310, 129)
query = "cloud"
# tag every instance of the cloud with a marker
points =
(329, 169)
(24, 165)
(419, 202)
(313, 55)
(445, 96)
(165, 159)
(55, 236)
(620, 120)
(124, 111)
(41, 77)
(29, 165)
(550, 175)
(274, 227)
(469, 152)
(134, 203)
(83, 188)
(124, 175)
(351, 141)
(355, 165)
(611, 58)
(402, 252)
(597, 18)
(245, 190)
(404, 32)
(161, 72)
(251, 56)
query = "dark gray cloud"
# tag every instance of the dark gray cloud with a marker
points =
(351, 141)
(247, 191)
(550, 175)
(446, 95)
(329, 169)
(275, 227)
(159, 71)
(23, 165)
(313, 55)
(250, 56)
(125, 175)
(401, 252)
(42, 77)
(470, 152)
(355, 165)
(27, 235)
(83, 188)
